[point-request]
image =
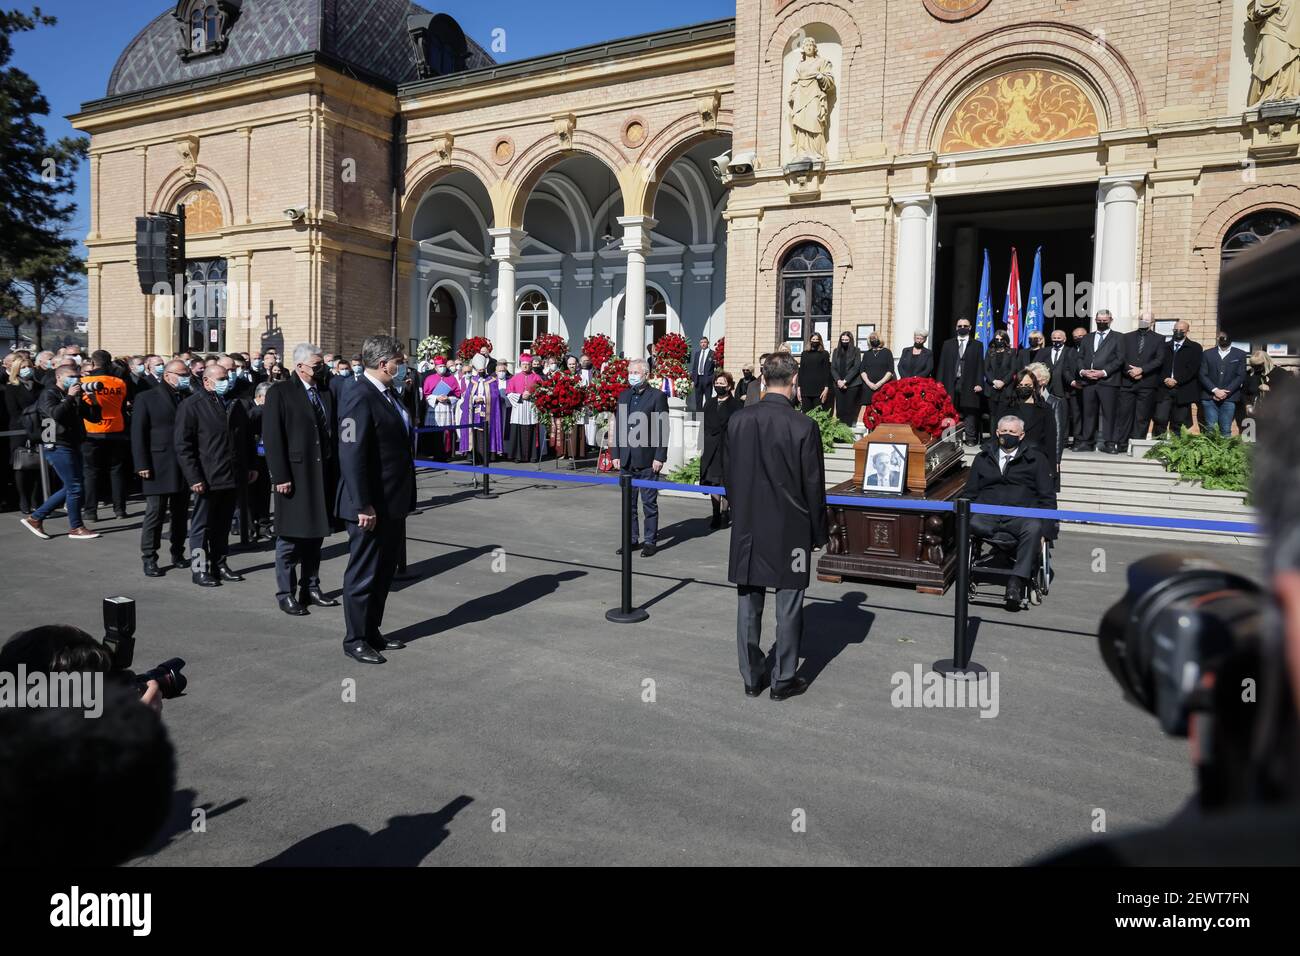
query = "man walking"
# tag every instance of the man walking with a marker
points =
(298, 425)
(61, 416)
(376, 492)
(776, 484)
(641, 445)
(153, 444)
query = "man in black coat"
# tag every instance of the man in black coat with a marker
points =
(641, 445)
(1180, 384)
(1061, 359)
(961, 373)
(153, 446)
(704, 369)
(215, 447)
(776, 484)
(1007, 472)
(1144, 356)
(298, 424)
(375, 494)
(1101, 358)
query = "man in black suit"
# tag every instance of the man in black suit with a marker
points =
(1061, 359)
(153, 446)
(703, 370)
(1101, 357)
(776, 486)
(376, 492)
(1180, 384)
(214, 444)
(641, 445)
(1144, 356)
(1223, 372)
(961, 373)
(1010, 473)
(298, 424)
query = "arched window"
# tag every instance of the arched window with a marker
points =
(442, 314)
(534, 319)
(198, 35)
(1249, 231)
(807, 295)
(214, 25)
(656, 315)
(205, 304)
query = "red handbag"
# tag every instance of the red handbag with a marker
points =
(606, 461)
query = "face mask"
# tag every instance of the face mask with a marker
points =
(137, 369)
(70, 380)
(1058, 345)
(344, 373)
(874, 343)
(1179, 335)
(963, 331)
(1009, 441)
(1103, 326)
(158, 370)
(442, 370)
(845, 343)
(222, 386)
(399, 377)
(1024, 391)
(76, 359)
(501, 376)
(1224, 341)
(183, 383)
(1144, 324)
(1078, 339)
(720, 389)
(999, 343)
(357, 369)
(318, 374)
(25, 372)
(814, 346)
(257, 363)
(634, 379)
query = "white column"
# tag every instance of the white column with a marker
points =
(505, 250)
(912, 277)
(1115, 287)
(636, 243)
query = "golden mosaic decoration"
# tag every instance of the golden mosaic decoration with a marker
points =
(202, 211)
(1019, 108)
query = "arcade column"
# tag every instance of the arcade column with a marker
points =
(505, 250)
(914, 274)
(1115, 284)
(636, 243)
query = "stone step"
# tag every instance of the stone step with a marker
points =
(1129, 502)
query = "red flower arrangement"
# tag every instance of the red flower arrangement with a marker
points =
(548, 345)
(600, 348)
(602, 395)
(920, 402)
(469, 348)
(720, 351)
(673, 347)
(668, 369)
(560, 398)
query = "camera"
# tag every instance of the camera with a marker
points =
(91, 387)
(119, 641)
(1190, 637)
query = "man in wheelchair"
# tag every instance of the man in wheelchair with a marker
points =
(1011, 473)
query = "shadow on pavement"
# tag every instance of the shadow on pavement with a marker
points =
(405, 841)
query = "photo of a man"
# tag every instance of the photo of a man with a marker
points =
(886, 465)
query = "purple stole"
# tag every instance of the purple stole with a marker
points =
(492, 414)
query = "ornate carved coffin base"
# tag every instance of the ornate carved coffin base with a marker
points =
(892, 545)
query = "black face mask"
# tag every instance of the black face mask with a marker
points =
(963, 330)
(1179, 336)
(318, 374)
(999, 344)
(1224, 341)
(1009, 441)
(1024, 391)
(720, 389)
(845, 343)
(1103, 326)
(814, 346)
(874, 343)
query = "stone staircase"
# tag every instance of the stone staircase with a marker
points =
(1121, 485)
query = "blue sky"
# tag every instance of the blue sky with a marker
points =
(72, 60)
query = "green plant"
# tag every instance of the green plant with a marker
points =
(687, 474)
(1216, 461)
(834, 432)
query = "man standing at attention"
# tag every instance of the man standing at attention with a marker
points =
(776, 483)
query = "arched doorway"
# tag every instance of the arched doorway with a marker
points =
(442, 314)
(205, 306)
(807, 295)
(1246, 233)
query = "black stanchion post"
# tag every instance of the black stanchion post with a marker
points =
(625, 613)
(959, 667)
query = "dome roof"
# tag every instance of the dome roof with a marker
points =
(368, 35)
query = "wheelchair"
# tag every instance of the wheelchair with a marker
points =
(991, 561)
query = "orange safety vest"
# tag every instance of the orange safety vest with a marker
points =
(111, 398)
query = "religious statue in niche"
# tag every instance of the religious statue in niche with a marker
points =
(811, 92)
(1275, 68)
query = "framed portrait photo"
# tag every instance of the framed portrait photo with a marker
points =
(864, 336)
(886, 468)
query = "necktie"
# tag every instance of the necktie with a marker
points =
(1056, 353)
(322, 420)
(1142, 340)
(397, 407)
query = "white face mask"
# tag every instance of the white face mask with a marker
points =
(634, 379)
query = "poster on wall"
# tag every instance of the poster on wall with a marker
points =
(1277, 348)
(822, 327)
(794, 329)
(864, 336)
(1165, 327)
(795, 347)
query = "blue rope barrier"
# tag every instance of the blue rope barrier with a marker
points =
(1142, 521)
(596, 479)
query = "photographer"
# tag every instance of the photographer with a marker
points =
(61, 415)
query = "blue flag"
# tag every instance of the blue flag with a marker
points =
(984, 310)
(1034, 307)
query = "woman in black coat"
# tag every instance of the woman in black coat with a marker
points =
(1039, 419)
(21, 391)
(875, 369)
(1001, 365)
(918, 360)
(845, 360)
(718, 409)
(815, 376)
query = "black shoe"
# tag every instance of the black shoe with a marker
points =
(386, 644)
(289, 606)
(179, 562)
(648, 551)
(223, 569)
(314, 596)
(791, 688)
(151, 569)
(1084, 448)
(726, 518)
(363, 652)
(1109, 448)
(1121, 449)
(204, 580)
(634, 547)
(715, 522)
(1014, 595)
(120, 514)
(756, 691)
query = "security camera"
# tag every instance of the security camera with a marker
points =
(742, 164)
(719, 164)
(294, 215)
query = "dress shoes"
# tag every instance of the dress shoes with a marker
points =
(363, 652)
(204, 580)
(648, 551)
(1015, 594)
(179, 562)
(1109, 448)
(151, 569)
(289, 606)
(121, 514)
(756, 691)
(386, 644)
(1084, 448)
(317, 597)
(791, 688)
(634, 547)
(227, 574)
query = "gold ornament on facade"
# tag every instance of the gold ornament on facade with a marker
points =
(634, 132)
(1020, 108)
(954, 10)
(188, 148)
(708, 103)
(503, 150)
(442, 145)
(564, 124)
(202, 211)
